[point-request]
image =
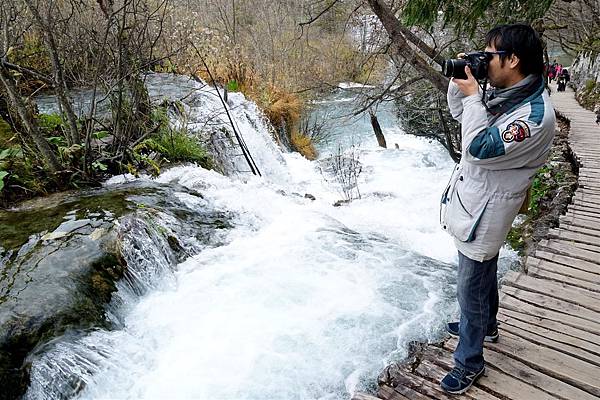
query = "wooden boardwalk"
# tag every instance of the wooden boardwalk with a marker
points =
(549, 316)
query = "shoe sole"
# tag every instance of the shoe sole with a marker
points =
(468, 387)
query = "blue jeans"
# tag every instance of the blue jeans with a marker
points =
(477, 291)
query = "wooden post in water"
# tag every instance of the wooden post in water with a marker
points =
(377, 130)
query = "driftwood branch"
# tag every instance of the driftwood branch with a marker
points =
(237, 134)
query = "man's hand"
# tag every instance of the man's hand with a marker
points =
(468, 86)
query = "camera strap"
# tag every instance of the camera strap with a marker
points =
(483, 99)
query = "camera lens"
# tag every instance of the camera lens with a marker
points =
(454, 69)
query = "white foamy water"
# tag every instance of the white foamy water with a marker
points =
(303, 301)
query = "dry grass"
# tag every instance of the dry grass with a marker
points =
(303, 144)
(282, 108)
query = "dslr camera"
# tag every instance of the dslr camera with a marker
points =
(478, 61)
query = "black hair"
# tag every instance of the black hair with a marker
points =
(522, 41)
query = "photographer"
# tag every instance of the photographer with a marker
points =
(506, 137)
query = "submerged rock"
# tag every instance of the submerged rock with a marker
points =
(60, 279)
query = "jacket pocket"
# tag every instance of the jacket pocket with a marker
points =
(464, 212)
(447, 193)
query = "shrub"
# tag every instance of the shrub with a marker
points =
(170, 145)
(303, 145)
(178, 145)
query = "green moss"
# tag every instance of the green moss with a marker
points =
(7, 136)
(539, 189)
(515, 239)
(17, 227)
(49, 122)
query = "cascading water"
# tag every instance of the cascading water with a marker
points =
(302, 300)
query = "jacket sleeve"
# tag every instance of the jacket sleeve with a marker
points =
(520, 140)
(455, 97)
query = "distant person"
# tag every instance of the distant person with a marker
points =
(551, 72)
(561, 83)
(506, 137)
(565, 73)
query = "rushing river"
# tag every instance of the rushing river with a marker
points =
(303, 301)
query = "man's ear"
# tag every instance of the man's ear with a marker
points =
(513, 61)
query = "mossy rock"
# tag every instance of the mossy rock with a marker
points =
(62, 256)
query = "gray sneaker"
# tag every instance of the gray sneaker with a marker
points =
(490, 337)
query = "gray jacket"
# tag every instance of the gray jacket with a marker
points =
(500, 155)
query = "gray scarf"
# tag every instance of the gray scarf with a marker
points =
(501, 101)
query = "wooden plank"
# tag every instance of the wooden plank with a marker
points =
(591, 164)
(586, 196)
(591, 176)
(552, 303)
(561, 366)
(584, 210)
(581, 297)
(575, 236)
(590, 181)
(584, 246)
(363, 396)
(420, 385)
(566, 248)
(592, 207)
(587, 227)
(517, 304)
(552, 340)
(591, 169)
(588, 191)
(572, 282)
(579, 334)
(585, 162)
(587, 183)
(586, 266)
(400, 393)
(565, 271)
(577, 212)
(580, 218)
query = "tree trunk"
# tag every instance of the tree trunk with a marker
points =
(60, 87)
(377, 130)
(46, 153)
(401, 49)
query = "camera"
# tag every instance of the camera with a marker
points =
(478, 62)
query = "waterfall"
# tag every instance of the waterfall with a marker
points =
(297, 299)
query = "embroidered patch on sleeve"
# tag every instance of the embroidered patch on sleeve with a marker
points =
(516, 131)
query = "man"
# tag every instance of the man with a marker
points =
(505, 139)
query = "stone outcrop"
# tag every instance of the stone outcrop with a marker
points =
(61, 279)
